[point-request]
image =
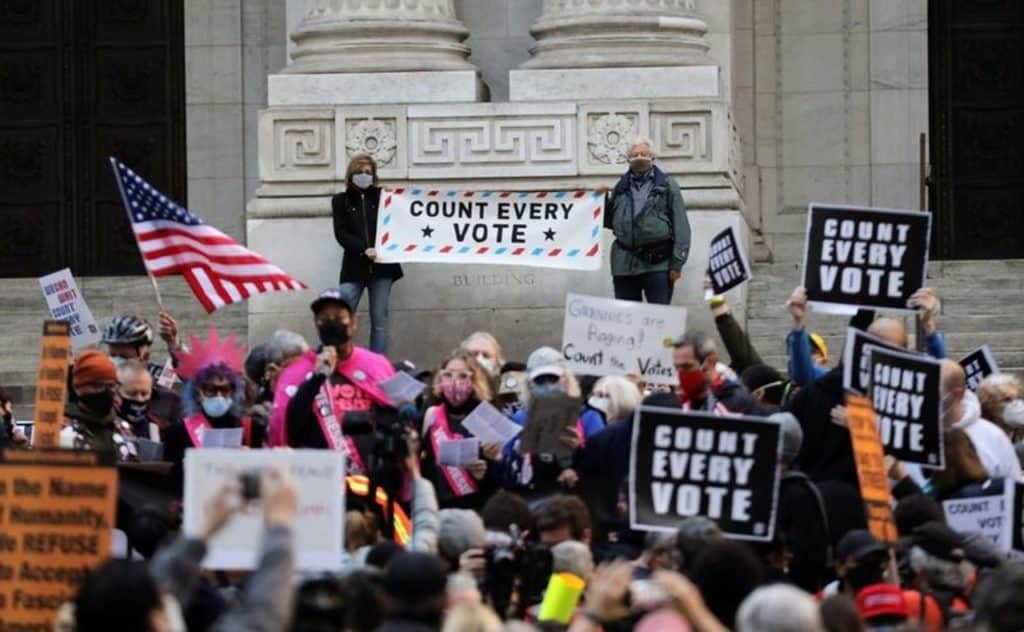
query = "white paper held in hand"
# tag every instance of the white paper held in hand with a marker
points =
(221, 438)
(460, 452)
(490, 425)
(402, 388)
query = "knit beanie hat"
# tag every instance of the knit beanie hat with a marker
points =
(92, 366)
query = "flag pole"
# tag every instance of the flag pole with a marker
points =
(922, 203)
(124, 201)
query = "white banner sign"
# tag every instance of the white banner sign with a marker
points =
(603, 336)
(319, 523)
(546, 229)
(65, 303)
(990, 516)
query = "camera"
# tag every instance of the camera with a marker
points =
(522, 567)
(249, 481)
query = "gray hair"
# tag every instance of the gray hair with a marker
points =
(458, 531)
(623, 394)
(779, 608)
(572, 556)
(703, 344)
(285, 345)
(640, 140)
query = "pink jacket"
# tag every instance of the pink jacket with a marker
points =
(363, 368)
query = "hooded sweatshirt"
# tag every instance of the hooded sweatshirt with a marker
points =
(993, 446)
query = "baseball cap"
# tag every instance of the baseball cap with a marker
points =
(545, 361)
(881, 600)
(330, 296)
(792, 434)
(858, 544)
(939, 540)
(512, 383)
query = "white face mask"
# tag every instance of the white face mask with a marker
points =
(485, 362)
(363, 180)
(1013, 413)
(600, 403)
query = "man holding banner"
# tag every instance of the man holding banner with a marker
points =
(652, 235)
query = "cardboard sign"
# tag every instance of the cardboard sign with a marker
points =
(66, 304)
(856, 374)
(978, 365)
(989, 515)
(727, 266)
(906, 399)
(865, 257)
(319, 524)
(874, 481)
(603, 336)
(690, 464)
(51, 384)
(546, 424)
(57, 513)
(546, 229)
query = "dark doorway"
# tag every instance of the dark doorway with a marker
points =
(976, 73)
(81, 80)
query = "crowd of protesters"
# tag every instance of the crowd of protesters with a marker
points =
(482, 541)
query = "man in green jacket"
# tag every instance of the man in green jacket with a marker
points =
(652, 235)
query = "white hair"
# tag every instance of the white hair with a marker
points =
(285, 345)
(572, 556)
(640, 140)
(623, 396)
(779, 608)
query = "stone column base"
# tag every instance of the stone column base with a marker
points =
(442, 86)
(570, 84)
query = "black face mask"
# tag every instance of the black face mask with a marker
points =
(100, 403)
(134, 411)
(863, 575)
(333, 333)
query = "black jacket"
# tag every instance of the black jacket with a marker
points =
(355, 228)
(826, 452)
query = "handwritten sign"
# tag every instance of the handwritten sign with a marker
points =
(57, 512)
(691, 464)
(51, 384)
(874, 482)
(66, 304)
(727, 266)
(546, 423)
(865, 257)
(603, 336)
(319, 524)
(546, 229)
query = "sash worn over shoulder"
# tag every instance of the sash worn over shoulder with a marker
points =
(459, 479)
(197, 423)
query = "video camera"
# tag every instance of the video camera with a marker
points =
(522, 567)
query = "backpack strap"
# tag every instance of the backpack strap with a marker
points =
(796, 475)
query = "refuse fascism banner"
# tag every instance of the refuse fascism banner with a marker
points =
(546, 229)
(864, 257)
(687, 464)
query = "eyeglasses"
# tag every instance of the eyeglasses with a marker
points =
(212, 390)
(456, 376)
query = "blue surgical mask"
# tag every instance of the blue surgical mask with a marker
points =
(118, 361)
(216, 407)
(363, 180)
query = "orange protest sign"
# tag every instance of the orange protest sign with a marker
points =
(51, 384)
(874, 482)
(57, 512)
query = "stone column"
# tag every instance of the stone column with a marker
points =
(617, 33)
(366, 36)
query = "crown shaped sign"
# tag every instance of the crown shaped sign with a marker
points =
(212, 352)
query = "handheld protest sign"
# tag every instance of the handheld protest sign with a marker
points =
(727, 266)
(547, 422)
(59, 511)
(687, 464)
(905, 395)
(856, 375)
(51, 384)
(603, 336)
(865, 257)
(989, 514)
(319, 524)
(545, 229)
(874, 481)
(67, 304)
(978, 365)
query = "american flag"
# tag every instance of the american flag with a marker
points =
(174, 241)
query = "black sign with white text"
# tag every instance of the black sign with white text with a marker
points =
(691, 464)
(727, 266)
(856, 374)
(978, 365)
(905, 397)
(865, 257)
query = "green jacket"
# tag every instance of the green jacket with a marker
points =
(664, 217)
(92, 432)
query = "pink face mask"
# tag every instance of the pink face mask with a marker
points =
(456, 392)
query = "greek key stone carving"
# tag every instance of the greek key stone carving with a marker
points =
(303, 145)
(682, 135)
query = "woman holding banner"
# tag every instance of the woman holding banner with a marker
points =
(355, 228)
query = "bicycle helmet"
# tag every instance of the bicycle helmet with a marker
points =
(128, 330)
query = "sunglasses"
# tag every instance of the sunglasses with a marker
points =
(227, 390)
